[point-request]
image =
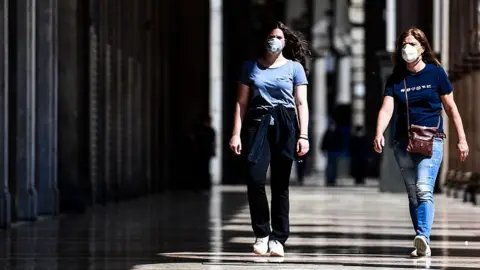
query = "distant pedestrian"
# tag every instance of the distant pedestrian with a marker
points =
(359, 149)
(332, 146)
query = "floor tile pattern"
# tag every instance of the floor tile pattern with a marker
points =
(331, 228)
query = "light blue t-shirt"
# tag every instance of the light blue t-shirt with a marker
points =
(270, 87)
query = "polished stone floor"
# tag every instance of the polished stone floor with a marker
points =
(332, 228)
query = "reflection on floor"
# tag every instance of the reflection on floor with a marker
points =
(332, 228)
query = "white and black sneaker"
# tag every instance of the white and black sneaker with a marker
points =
(421, 247)
(276, 248)
(415, 253)
(261, 246)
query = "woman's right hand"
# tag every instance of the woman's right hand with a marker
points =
(236, 144)
(378, 143)
(463, 149)
(384, 116)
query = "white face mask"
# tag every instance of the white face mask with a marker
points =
(274, 45)
(409, 53)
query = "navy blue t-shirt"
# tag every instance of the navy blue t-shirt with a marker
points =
(424, 89)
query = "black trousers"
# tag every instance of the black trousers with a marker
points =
(281, 167)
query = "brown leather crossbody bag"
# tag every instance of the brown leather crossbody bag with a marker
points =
(420, 138)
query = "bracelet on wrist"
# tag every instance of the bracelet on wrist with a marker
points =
(304, 138)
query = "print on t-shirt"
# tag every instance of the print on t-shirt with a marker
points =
(417, 88)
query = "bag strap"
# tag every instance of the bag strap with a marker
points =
(406, 102)
(408, 113)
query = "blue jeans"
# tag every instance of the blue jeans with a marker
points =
(420, 174)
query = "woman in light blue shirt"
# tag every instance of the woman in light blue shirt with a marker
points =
(272, 89)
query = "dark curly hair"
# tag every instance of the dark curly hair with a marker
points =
(428, 55)
(296, 47)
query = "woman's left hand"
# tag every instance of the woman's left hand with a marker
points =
(302, 146)
(463, 149)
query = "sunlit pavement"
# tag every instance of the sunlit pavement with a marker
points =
(331, 228)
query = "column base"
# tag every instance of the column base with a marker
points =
(27, 204)
(48, 202)
(5, 210)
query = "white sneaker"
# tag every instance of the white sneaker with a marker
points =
(261, 246)
(414, 253)
(421, 247)
(276, 248)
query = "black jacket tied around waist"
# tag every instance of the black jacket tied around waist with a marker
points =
(286, 131)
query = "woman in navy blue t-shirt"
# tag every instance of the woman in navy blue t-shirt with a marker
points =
(428, 87)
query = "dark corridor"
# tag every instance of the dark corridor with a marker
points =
(91, 97)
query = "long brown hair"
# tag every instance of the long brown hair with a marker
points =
(296, 46)
(428, 55)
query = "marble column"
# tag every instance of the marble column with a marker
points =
(321, 44)
(390, 177)
(149, 63)
(442, 38)
(5, 198)
(73, 166)
(475, 143)
(357, 18)
(26, 193)
(344, 81)
(216, 86)
(162, 113)
(474, 59)
(468, 115)
(46, 106)
(109, 109)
